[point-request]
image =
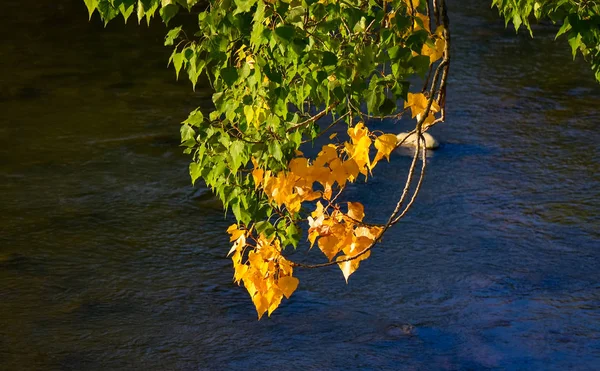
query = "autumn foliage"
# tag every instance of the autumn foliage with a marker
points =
(284, 73)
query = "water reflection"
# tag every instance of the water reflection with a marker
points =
(109, 259)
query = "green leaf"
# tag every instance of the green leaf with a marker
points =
(575, 42)
(237, 155)
(229, 75)
(187, 132)
(91, 6)
(275, 150)
(329, 59)
(195, 118)
(172, 35)
(168, 11)
(195, 171)
(566, 26)
(285, 32)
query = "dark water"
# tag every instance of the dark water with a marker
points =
(109, 259)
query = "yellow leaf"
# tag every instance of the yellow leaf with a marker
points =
(417, 103)
(436, 52)
(327, 154)
(415, 3)
(319, 174)
(338, 172)
(274, 297)
(250, 61)
(369, 232)
(425, 20)
(257, 175)
(329, 246)
(236, 234)
(257, 262)
(351, 266)
(249, 113)
(385, 144)
(232, 228)
(357, 132)
(356, 211)
(239, 244)
(288, 285)
(346, 268)
(261, 303)
(299, 166)
(327, 191)
(259, 116)
(240, 272)
(318, 211)
(439, 31)
(351, 169)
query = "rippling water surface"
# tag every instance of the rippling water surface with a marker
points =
(109, 259)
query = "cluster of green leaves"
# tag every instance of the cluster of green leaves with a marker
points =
(580, 22)
(277, 67)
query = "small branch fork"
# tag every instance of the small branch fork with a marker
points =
(437, 92)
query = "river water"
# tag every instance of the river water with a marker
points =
(111, 260)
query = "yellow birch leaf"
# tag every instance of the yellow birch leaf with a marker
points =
(356, 211)
(417, 103)
(369, 232)
(351, 169)
(338, 172)
(319, 174)
(236, 234)
(346, 268)
(248, 282)
(357, 132)
(299, 166)
(429, 120)
(385, 144)
(439, 31)
(261, 304)
(327, 154)
(259, 117)
(415, 3)
(351, 266)
(257, 262)
(312, 236)
(232, 228)
(308, 194)
(328, 246)
(425, 20)
(236, 245)
(249, 113)
(257, 175)
(288, 285)
(361, 154)
(293, 203)
(327, 191)
(318, 211)
(274, 297)
(240, 272)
